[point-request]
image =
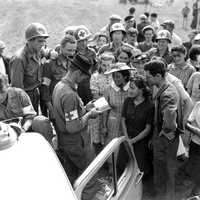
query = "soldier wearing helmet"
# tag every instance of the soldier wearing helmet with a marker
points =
(163, 40)
(26, 71)
(175, 39)
(82, 34)
(117, 36)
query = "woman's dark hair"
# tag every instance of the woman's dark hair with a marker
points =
(125, 50)
(126, 74)
(194, 51)
(141, 83)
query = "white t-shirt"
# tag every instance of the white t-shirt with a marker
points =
(2, 66)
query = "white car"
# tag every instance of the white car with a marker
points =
(31, 170)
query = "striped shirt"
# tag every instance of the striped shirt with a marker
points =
(183, 73)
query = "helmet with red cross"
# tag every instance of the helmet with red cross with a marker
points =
(82, 33)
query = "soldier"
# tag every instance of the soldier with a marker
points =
(14, 103)
(72, 118)
(163, 40)
(82, 35)
(117, 35)
(56, 69)
(175, 39)
(26, 71)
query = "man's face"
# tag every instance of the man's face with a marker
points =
(37, 43)
(69, 49)
(132, 37)
(148, 35)
(151, 80)
(117, 36)
(178, 57)
(152, 19)
(162, 44)
(82, 44)
(105, 65)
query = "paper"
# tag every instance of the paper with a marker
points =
(101, 104)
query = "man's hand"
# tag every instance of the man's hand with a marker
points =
(53, 54)
(94, 113)
(50, 108)
(169, 136)
(89, 106)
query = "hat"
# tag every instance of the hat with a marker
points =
(82, 33)
(129, 18)
(118, 67)
(2, 45)
(149, 27)
(82, 63)
(165, 35)
(117, 27)
(115, 17)
(197, 37)
(143, 16)
(168, 22)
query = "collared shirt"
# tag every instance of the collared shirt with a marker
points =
(53, 72)
(26, 70)
(117, 89)
(17, 104)
(166, 107)
(2, 66)
(67, 107)
(183, 73)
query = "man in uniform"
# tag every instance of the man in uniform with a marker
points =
(15, 103)
(55, 69)
(26, 71)
(71, 118)
(82, 35)
(165, 137)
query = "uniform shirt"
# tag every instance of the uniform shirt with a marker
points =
(17, 104)
(67, 107)
(183, 73)
(193, 86)
(53, 72)
(111, 48)
(143, 46)
(26, 71)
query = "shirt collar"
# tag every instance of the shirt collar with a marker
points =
(117, 89)
(74, 86)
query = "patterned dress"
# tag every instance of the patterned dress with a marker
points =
(98, 84)
(115, 97)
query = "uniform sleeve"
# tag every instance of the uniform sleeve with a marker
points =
(17, 73)
(27, 107)
(46, 81)
(169, 106)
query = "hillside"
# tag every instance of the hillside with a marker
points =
(15, 15)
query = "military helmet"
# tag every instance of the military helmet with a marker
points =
(164, 34)
(82, 33)
(117, 27)
(70, 30)
(35, 30)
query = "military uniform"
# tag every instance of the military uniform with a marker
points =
(68, 107)
(53, 72)
(17, 104)
(26, 73)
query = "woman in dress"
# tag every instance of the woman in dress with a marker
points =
(115, 94)
(137, 117)
(98, 83)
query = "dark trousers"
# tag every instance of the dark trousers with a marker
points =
(34, 97)
(165, 152)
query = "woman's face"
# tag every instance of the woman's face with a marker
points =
(101, 41)
(118, 79)
(117, 36)
(133, 90)
(123, 57)
(105, 65)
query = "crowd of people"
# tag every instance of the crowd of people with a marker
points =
(148, 76)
